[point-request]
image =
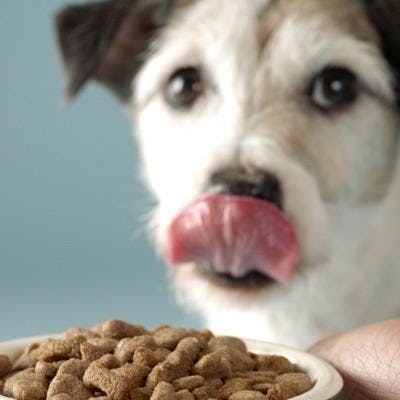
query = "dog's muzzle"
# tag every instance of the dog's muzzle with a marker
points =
(236, 231)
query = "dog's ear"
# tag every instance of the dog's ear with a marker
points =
(106, 41)
(385, 15)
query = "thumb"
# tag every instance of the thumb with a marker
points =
(368, 360)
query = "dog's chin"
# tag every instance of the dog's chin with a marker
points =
(196, 281)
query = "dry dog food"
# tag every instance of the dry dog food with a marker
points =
(118, 361)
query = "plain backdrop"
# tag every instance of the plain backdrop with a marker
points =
(73, 244)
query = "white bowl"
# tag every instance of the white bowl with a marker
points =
(328, 383)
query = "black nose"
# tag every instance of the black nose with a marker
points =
(262, 185)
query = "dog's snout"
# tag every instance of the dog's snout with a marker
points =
(262, 185)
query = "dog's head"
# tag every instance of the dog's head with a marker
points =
(268, 135)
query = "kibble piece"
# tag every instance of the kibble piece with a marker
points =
(238, 360)
(279, 364)
(134, 373)
(145, 356)
(177, 364)
(5, 365)
(188, 382)
(214, 365)
(200, 393)
(28, 358)
(170, 337)
(116, 329)
(26, 385)
(90, 352)
(60, 349)
(189, 346)
(99, 376)
(149, 357)
(74, 367)
(297, 382)
(163, 391)
(262, 387)
(70, 333)
(207, 335)
(127, 346)
(258, 376)
(213, 384)
(234, 385)
(247, 395)
(159, 328)
(45, 369)
(184, 395)
(141, 393)
(108, 345)
(62, 396)
(162, 354)
(70, 385)
(114, 380)
(222, 341)
(209, 390)
(107, 361)
(280, 392)
(223, 362)
(103, 398)
(202, 339)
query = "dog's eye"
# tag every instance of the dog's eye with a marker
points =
(183, 88)
(334, 87)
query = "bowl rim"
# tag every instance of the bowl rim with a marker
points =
(328, 382)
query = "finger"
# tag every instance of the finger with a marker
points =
(368, 359)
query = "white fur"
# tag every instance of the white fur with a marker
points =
(340, 188)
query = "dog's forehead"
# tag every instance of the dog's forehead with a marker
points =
(268, 15)
(334, 15)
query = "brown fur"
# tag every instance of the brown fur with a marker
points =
(338, 15)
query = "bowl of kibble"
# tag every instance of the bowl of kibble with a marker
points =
(116, 360)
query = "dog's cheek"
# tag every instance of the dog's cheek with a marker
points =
(354, 164)
(167, 162)
(170, 167)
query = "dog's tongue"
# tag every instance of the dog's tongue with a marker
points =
(238, 235)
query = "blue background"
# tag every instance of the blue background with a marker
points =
(73, 243)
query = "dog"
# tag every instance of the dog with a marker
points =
(268, 135)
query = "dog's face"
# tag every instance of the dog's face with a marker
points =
(252, 114)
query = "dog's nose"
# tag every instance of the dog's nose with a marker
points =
(262, 185)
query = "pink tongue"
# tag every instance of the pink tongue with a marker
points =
(238, 235)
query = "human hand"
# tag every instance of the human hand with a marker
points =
(368, 360)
